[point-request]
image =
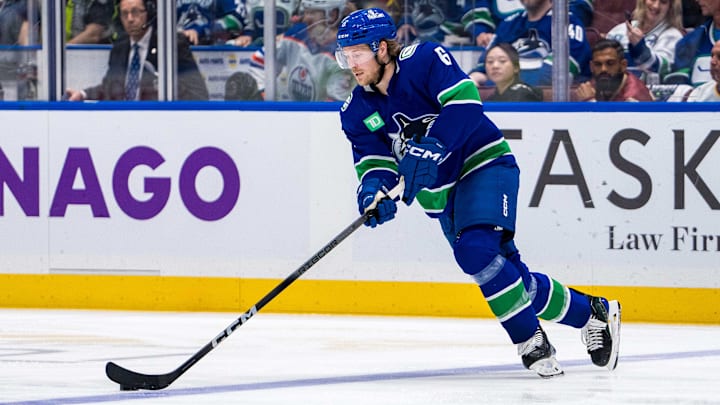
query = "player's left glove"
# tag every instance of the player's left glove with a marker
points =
(419, 166)
(383, 211)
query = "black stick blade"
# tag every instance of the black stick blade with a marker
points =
(132, 381)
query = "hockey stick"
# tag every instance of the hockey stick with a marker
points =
(130, 380)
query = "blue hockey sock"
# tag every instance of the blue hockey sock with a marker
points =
(557, 303)
(551, 300)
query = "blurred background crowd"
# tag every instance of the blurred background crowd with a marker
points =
(618, 50)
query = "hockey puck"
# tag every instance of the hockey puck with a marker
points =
(128, 388)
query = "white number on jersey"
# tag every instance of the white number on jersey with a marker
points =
(576, 32)
(444, 56)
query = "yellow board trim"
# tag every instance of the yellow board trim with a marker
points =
(155, 293)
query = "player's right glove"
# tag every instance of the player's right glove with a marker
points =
(386, 207)
(419, 166)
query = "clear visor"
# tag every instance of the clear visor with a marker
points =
(347, 58)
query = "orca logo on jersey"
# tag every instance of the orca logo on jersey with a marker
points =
(410, 128)
(532, 50)
(407, 51)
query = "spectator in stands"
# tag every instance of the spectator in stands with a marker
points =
(708, 91)
(611, 80)
(14, 24)
(482, 17)
(691, 14)
(17, 30)
(242, 86)
(305, 57)
(649, 40)
(530, 33)
(285, 12)
(503, 68)
(606, 15)
(692, 53)
(215, 21)
(429, 20)
(583, 10)
(132, 66)
(88, 21)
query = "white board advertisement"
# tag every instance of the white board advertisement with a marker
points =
(606, 198)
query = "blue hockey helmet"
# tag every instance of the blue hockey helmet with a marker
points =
(366, 26)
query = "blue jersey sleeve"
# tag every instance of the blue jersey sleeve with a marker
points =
(366, 130)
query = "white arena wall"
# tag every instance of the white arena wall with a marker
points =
(207, 206)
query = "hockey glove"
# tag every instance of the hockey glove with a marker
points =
(419, 166)
(384, 210)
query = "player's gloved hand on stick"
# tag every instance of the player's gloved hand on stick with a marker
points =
(384, 210)
(419, 166)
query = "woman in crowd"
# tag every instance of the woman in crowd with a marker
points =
(502, 65)
(649, 39)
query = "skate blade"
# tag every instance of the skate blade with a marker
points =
(547, 368)
(614, 328)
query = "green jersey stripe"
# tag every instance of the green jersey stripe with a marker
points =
(463, 90)
(374, 163)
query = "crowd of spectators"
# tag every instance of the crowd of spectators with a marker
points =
(667, 44)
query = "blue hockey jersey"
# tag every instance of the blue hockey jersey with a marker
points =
(484, 15)
(428, 95)
(533, 41)
(211, 18)
(692, 56)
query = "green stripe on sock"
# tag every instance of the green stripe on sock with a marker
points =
(509, 301)
(558, 302)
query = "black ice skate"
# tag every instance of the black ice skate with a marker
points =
(538, 355)
(601, 334)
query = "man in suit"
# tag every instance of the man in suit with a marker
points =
(132, 67)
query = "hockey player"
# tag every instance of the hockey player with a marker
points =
(305, 57)
(415, 114)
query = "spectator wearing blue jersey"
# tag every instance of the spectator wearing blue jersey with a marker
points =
(530, 32)
(286, 11)
(650, 38)
(416, 116)
(429, 20)
(693, 52)
(708, 91)
(482, 17)
(205, 22)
